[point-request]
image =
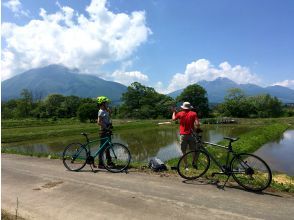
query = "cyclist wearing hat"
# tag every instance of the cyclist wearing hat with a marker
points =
(105, 124)
(188, 121)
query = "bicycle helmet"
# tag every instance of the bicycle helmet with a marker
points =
(102, 99)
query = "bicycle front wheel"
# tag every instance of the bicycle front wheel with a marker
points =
(193, 164)
(116, 157)
(251, 172)
(74, 157)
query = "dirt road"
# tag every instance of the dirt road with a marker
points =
(45, 190)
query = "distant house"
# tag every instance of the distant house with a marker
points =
(289, 105)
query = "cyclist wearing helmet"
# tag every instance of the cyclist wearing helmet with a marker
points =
(105, 124)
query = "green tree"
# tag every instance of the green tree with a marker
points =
(236, 104)
(71, 105)
(25, 104)
(87, 111)
(9, 109)
(197, 96)
(144, 102)
(53, 105)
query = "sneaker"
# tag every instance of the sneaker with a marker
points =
(101, 166)
(186, 168)
(111, 164)
(195, 166)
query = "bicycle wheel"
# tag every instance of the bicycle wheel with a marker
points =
(193, 164)
(251, 172)
(116, 157)
(74, 156)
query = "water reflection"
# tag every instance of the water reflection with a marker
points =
(279, 154)
(162, 142)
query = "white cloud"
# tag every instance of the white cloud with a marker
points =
(202, 69)
(127, 78)
(75, 40)
(16, 7)
(285, 83)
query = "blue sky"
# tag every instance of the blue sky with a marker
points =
(166, 44)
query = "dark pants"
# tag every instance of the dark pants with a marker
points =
(103, 140)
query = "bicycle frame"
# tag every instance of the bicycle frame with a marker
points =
(225, 168)
(100, 148)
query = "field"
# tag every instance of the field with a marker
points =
(263, 131)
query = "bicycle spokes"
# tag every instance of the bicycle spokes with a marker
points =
(251, 172)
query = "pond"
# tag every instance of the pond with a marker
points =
(161, 142)
(279, 154)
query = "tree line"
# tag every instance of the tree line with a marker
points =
(142, 102)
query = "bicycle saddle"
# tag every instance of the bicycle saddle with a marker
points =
(231, 139)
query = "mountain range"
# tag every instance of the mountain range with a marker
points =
(218, 88)
(58, 79)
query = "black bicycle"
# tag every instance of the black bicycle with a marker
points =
(248, 170)
(115, 156)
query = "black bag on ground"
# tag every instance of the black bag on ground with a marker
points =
(156, 165)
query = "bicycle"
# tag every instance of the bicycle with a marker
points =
(248, 170)
(115, 156)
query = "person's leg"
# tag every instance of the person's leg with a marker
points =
(108, 157)
(193, 146)
(184, 144)
(103, 140)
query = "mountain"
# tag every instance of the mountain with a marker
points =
(60, 80)
(217, 90)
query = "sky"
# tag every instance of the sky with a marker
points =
(165, 44)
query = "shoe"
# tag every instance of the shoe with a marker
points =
(101, 166)
(186, 168)
(95, 166)
(110, 164)
(195, 166)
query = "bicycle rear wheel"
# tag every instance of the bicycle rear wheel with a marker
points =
(193, 164)
(251, 172)
(74, 157)
(116, 157)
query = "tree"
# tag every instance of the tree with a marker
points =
(237, 104)
(53, 105)
(25, 104)
(87, 111)
(197, 96)
(144, 102)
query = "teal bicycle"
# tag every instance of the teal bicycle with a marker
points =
(115, 156)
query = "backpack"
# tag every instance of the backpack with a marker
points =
(156, 165)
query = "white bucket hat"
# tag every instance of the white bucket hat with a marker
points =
(186, 105)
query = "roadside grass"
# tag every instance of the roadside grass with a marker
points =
(250, 142)
(262, 131)
(8, 216)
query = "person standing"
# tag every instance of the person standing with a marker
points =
(105, 124)
(188, 121)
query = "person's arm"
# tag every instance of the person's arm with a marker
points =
(174, 114)
(197, 122)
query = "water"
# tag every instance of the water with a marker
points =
(279, 154)
(161, 142)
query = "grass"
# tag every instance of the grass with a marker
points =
(262, 131)
(8, 216)
(250, 142)
(28, 130)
